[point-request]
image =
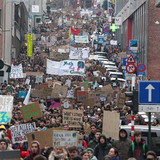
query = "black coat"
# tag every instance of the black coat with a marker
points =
(138, 152)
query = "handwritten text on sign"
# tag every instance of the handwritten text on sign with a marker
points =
(65, 138)
(19, 132)
(72, 117)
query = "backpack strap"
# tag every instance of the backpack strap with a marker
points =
(144, 147)
(133, 147)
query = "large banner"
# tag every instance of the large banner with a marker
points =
(16, 71)
(80, 39)
(53, 67)
(6, 107)
(66, 67)
(70, 67)
(19, 132)
(29, 45)
(79, 53)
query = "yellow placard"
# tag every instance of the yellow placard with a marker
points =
(29, 45)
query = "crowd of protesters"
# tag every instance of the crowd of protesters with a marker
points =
(93, 144)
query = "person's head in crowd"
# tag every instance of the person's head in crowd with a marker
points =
(138, 136)
(113, 152)
(56, 114)
(53, 121)
(81, 134)
(2, 128)
(17, 123)
(92, 112)
(35, 148)
(77, 157)
(85, 117)
(155, 122)
(97, 134)
(151, 155)
(3, 144)
(90, 153)
(85, 155)
(65, 127)
(39, 157)
(58, 153)
(73, 151)
(82, 108)
(122, 134)
(60, 118)
(107, 157)
(102, 139)
(137, 117)
(42, 123)
(125, 110)
(58, 122)
(93, 128)
(99, 111)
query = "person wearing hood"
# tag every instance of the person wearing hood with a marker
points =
(138, 148)
(34, 150)
(122, 144)
(102, 147)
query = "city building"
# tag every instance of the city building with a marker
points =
(140, 21)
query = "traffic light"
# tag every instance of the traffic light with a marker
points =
(133, 102)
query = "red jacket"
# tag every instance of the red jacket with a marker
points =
(24, 154)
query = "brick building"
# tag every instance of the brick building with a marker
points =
(138, 23)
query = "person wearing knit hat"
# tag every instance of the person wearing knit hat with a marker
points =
(3, 144)
(91, 154)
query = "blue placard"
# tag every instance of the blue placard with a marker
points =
(22, 94)
(100, 40)
(149, 92)
(141, 74)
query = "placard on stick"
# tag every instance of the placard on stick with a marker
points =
(66, 103)
(31, 111)
(73, 118)
(111, 122)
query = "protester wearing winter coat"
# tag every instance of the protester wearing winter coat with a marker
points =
(138, 148)
(102, 148)
(91, 154)
(122, 144)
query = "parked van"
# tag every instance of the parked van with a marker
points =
(115, 75)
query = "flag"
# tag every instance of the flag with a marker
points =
(95, 85)
(76, 32)
(113, 1)
(26, 101)
(70, 33)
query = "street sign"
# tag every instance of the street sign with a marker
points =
(130, 68)
(141, 74)
(149, 92)
(100, 40)
(124, 61)
(107, 29)
(141, 67)
(131, 59)
(133, 44)
(149, 108)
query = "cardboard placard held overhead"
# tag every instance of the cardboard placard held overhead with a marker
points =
(111, 122)
(66, 103)
(31, 111)
(41, 86)
(85, 85)
(81, 96)
(108, 89)
(46, 134)
(89, 102)
(121, 98)
(65, 138)
(73, 117)
(59, 91)
(34, 73)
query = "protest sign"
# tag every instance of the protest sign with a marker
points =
(19, 132)
(46, 134)
(41, 86)
(70, 93)
(34, 73)
(39, 79)
(66, 103)
(85, 85)
(16, 71)
(89, 102)
(73, 118)
(59, 91)
(80, 39)
(6, 107)
(22, 94)
(10, 154)
(53, 67)
(72, 67)
(59, 56)
(65, 138)
(31, 111)
(111, 122)
(81, 96)
(121, 98)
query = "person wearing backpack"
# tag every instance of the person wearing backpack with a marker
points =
(138, 148)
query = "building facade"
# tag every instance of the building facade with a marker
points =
(138, 23)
